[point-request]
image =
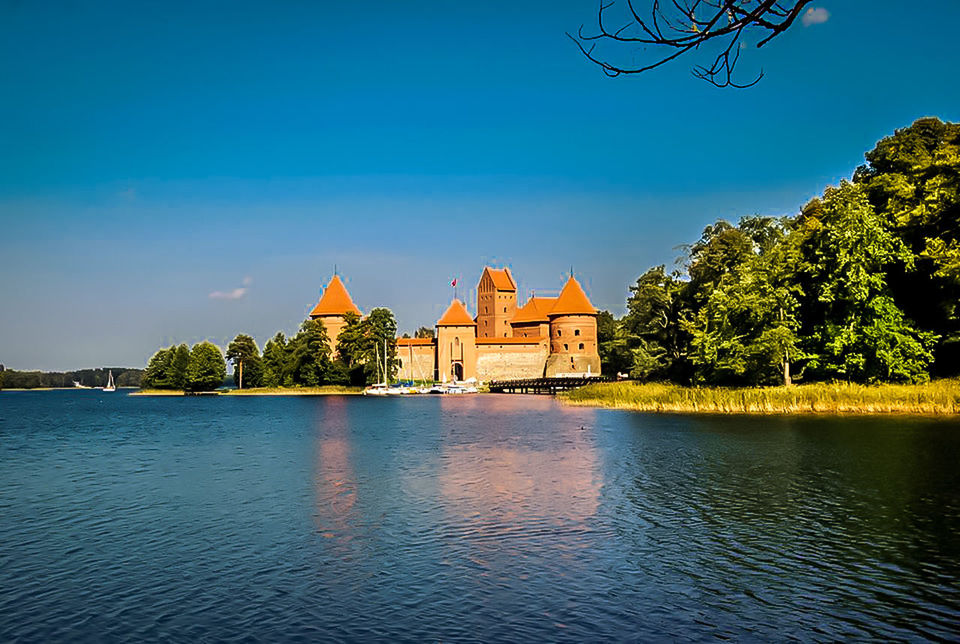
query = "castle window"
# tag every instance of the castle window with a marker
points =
(581, 346)
(558, 333)
(504, 309)
(577, 332)
(565, 347)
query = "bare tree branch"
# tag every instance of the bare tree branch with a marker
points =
(679, 26)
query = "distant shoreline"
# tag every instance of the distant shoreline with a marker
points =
(331, 390)
(937, 398)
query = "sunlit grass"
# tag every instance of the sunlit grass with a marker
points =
(937, 397)
(327, 390)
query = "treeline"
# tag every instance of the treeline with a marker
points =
(123, 377)
(862, 285)
(304, 360)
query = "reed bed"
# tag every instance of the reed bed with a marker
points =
(327, 390)
(940, 397)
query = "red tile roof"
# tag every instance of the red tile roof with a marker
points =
(535, 310)
(403, 342)
(456, 315)
(572, 301)
(335, 300)
(502, 279)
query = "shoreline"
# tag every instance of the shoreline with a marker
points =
(938, 398)
(333, 390)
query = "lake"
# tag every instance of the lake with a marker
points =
(468, 518)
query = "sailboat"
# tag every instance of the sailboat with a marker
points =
(110, 384)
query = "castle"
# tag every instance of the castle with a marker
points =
(547, 336)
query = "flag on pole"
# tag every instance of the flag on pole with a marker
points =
(454, 282)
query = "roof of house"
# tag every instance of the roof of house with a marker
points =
(572, 301)
(335, 300)
(535, 310)
(456, 315)
(502, 279)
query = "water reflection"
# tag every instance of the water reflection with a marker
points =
(334, 478)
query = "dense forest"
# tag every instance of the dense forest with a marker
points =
(123, 377)
(862, 285)
(304, 360)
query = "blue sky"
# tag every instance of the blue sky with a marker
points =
(157, 153)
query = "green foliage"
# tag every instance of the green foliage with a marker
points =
(242, 352)
(155, 376)
(856, 331)
(309, 355)
(424, 332)
(275, 359)
(207, 368)
(652, 330)
(361, 344)
(615, 355)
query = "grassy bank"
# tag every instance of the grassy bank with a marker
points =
(937, 397)
(328, 390)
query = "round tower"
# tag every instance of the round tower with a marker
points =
(573, 334)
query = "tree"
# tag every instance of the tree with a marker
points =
(855, 330)
(672, 29)
(309, 355)
(276, 361)
(615, 355)
(746, 329)
(913, 180)
(380, 328)
(652, 329)
(179, 363)
(207, 367)
(424, 332)
(155, 376)
(244, 349)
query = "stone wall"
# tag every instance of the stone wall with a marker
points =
(506, 361)
(417, 360)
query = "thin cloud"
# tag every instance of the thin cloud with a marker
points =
(815, 16)
(235, 294)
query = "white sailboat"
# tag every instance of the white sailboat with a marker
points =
(110, 384)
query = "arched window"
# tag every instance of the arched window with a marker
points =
(565, 347)
(577, 332)
(581, 346)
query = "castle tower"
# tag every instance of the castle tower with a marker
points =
(573, 333)
(496, 302)
(332, 309)
(456, 344)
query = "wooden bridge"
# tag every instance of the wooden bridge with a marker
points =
(542, 385)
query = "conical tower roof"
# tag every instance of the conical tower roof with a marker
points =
(572, 301)
(335, 300)
(456, 315)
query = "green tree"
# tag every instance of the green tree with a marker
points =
(244, 349)
(179, 363)
(207, 367)
(380, 329)
(424, 332)
(856, 330)
(652, 329)
(746, 331)
(912, 180)
(615, 356)
(156, 375)
(276, 358)
(310, 354)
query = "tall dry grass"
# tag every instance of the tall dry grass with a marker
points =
(937, 397)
